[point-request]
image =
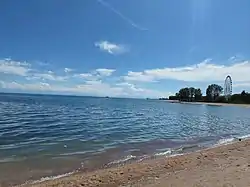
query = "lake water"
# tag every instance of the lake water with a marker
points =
(42, 135)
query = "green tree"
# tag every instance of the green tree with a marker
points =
(243, 93)
(213, 91)
(197, 94)
(184, 94)
(187, 94)
(177, 95)
(181, 94)
(192, 93)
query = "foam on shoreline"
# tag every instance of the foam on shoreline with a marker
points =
(197, 168)
(167, 153)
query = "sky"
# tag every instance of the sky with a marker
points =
(123, 48)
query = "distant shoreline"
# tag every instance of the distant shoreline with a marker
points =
(211, 167)
(212, 104)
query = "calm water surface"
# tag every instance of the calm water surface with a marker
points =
(43, 135)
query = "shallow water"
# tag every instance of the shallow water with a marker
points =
(42, 135)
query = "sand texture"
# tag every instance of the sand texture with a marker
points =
(223, 166)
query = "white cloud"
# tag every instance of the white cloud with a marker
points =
(124, 84)
(47, 76)
(8, 66)
(236, 58)
(232, 58)
(87, 76)
(98, 88)
(90, 88)
(111, 48)
(40, 86)
(130, 86)
(84, 75)
(132, 90)
(24, 69)
(205, 71)
(95, 82)
(96, 74)
(138, 76)
(68, 70)
(95, 88)
(105, 72)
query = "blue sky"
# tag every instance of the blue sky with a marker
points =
(141, 48)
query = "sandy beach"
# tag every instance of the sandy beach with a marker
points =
(224, 166)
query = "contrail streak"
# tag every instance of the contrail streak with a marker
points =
(132, 23)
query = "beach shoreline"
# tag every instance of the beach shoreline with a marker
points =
(224, 165)
(211, 103)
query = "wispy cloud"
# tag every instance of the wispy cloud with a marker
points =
(236, 58)
(139, 77)
(47, 76)
(105, 72)
(111, 48)
(125, 18)
(84, 75)
(9, 66)
(67, 70)
(95, 74)
(205, 71)
(131, 86)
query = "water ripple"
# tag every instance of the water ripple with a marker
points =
(34, 126)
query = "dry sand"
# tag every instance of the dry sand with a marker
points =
(223, 166)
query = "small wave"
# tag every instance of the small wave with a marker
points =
(4, 160)
(125, 159)
(51, 178)
(245, 136)
(225, 141)
(177, 154)
(144, 157)
(76, 153)
(168, 152)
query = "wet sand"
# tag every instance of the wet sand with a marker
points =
(223, 166)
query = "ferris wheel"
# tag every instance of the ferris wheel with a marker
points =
(228, 87)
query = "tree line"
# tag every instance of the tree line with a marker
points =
(188, 94)
(242, 98)
(214, 93)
